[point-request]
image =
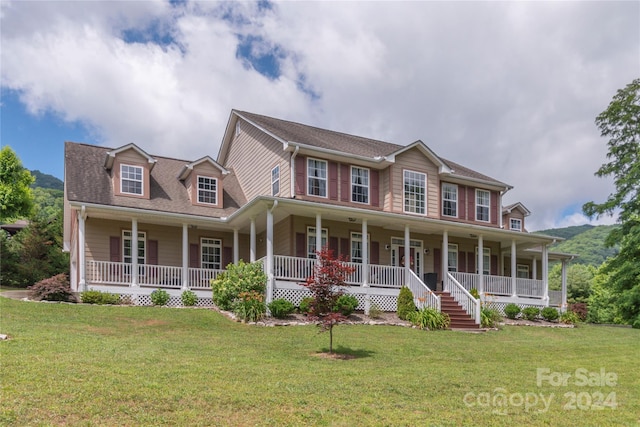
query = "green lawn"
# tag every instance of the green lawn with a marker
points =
(91, 365)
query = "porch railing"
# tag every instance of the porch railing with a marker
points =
(470, 304)
(423, 296)
(500, 285)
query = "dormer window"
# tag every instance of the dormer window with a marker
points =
(131, 179)
(515, 224)
(207, 190)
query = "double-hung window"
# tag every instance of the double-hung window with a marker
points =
(316, 177)
(311, 241)
(359, 185)
(483, 203)
(522, 271)
(275, 180)
(452, 256)
(131, 179)
(415, 192)
(211, 253)
(127, 247)
(515, 224)
(449, 200)
(207, 190)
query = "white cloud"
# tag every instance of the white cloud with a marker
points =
(508, 89)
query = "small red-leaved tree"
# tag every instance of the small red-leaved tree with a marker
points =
(326, 285)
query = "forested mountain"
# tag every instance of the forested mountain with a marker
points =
(585, 240)
(44, 180)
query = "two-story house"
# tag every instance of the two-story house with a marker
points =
(278, 192)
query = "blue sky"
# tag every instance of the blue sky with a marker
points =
(510, 89)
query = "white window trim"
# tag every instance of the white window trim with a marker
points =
(511, 224)
(522, 267)
(451, 200)
(404, 197)
(486, 206)
(357, 237)
(142, 237)
(275, 179)
(311, 232)
(215, 192)
(325, 179)
(453, 247)
(210, 242)
(367, 186)
(122, 179)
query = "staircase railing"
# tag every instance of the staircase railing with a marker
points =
(422, 295)
(468, 302)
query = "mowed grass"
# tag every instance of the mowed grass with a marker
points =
(92, 365)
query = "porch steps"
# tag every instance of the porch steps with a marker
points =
(459, 318)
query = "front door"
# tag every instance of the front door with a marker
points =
(398, 258)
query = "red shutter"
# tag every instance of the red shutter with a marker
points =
(462, 206)
(301, 245)
(375, 188)
(471, 262)
(437, 262)
(471, 204)
(494, 265)
(152, 252)
(194, 255)
(494, 208)
(344, 248)
(462, 262)
(333, 246)
(345, 183)
(301, 174)
(114, 249)
(374, 256)
(333, 180)
(227, 256)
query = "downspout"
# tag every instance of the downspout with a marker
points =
(293, 173)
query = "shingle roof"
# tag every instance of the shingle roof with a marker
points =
(348, 144)
(88, 181)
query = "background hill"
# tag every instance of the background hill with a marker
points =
(44, 180)
(584, 240)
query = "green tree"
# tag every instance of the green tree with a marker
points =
(620, 123)
(579, 281)
(16, 200)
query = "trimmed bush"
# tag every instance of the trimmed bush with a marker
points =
(530, 313)
(346, 304)
(512, 310)
(56, 288)
(189, 298)
(159, 297)
(281, 308)
(238, 278)
(549, 314)
(305, 305)
(406, 306)
(429, 318)
(97, 297)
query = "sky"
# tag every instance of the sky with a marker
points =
(509, 89)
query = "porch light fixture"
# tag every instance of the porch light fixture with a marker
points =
(352, 219)
(387, 247)
(426, 251)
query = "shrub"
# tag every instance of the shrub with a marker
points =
(189, 298)
(238, 278)
(474, 293)
(159, 297)
(580, 309)
(429, 318)
(346, 304)
(549, 314)
(489, 317)
(305, 305)
(530, 313)
(375, 311)
(569, 318)
(512, 310)
(97, 297)
(636, 323)
(406, 306)
(281, 308)
(249, 306)
(54, 288)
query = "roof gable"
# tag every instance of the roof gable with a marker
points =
(516, 206)
(111, 155)
(188, 168)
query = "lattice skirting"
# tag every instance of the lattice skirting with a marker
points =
(383, 302)
(501, 305)
(174, 301)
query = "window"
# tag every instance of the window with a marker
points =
(522, 272)
(486, 261)
(453, 257)
(483, 201)
(131, 179)
(316, 177)
(275, 180)
(415, 186)
(207, 190)
(356, 247)
(450, 200)
(211, 253)
(127, 247)
(515, 224)
(311, 241)
(359, 185)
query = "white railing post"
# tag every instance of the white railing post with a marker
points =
(480, 261)
(563, 300)
(236, 246)
(185, 256)
(407, 254)
(513, 267)
(134, 252)
(252, 241)
(82, 217)
(545, 273)
(269, 260)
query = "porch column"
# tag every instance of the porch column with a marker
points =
(534, 270)
(445, 255)
(365, 254)
(134, 252)
(269, 260)
(252, 242)
(407, 254)
(185, 256)
(82, 285)
(563, 302)
(480, 266)
(318, 233)
(545, 273)
(236, 249)
(513, 268)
